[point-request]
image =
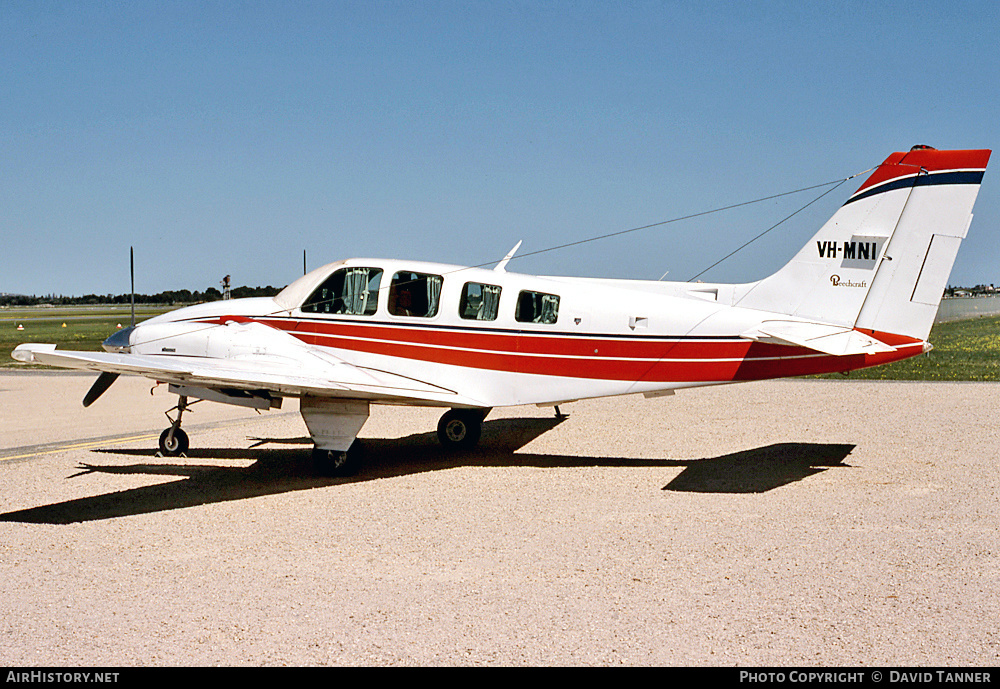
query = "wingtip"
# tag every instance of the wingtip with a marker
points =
(25, 353)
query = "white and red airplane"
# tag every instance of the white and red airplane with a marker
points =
(862, 292)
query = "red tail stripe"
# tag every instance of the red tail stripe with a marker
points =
(900, 165)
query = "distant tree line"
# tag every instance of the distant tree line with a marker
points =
(183, 296)
(977, 291)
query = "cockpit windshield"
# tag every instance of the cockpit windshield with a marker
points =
(349, 291)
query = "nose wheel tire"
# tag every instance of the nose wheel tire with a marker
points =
(460, 429)
(171, 446)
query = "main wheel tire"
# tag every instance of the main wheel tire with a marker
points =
(177, 445)
(460, 429)
(336, 463)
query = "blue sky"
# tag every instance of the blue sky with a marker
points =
(226, 138)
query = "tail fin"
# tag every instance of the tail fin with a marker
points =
(882, 261)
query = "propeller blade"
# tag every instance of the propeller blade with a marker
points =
(99, 387)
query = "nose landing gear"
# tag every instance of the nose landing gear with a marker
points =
(173, 440)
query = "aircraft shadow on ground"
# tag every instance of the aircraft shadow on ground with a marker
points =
(278, 470)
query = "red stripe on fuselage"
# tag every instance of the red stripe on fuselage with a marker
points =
(619, 358)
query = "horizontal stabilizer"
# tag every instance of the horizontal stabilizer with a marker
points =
(836, 340)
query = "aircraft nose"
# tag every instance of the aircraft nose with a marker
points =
(119, 342)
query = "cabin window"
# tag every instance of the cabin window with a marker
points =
(350, 291)
(536, 307)
(479, 302)
(415, 294)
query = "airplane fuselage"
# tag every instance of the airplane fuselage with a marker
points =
(604, 337)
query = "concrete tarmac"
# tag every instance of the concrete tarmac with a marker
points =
(786, 523)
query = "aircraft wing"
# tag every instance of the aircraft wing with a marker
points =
(836, 340)
(308, 372)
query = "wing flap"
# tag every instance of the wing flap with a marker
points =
(836, 340)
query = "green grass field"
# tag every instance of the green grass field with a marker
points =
(963, 350)
(85, 327)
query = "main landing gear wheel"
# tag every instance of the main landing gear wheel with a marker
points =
(460, 429)
(174, 445)
(336, 463)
